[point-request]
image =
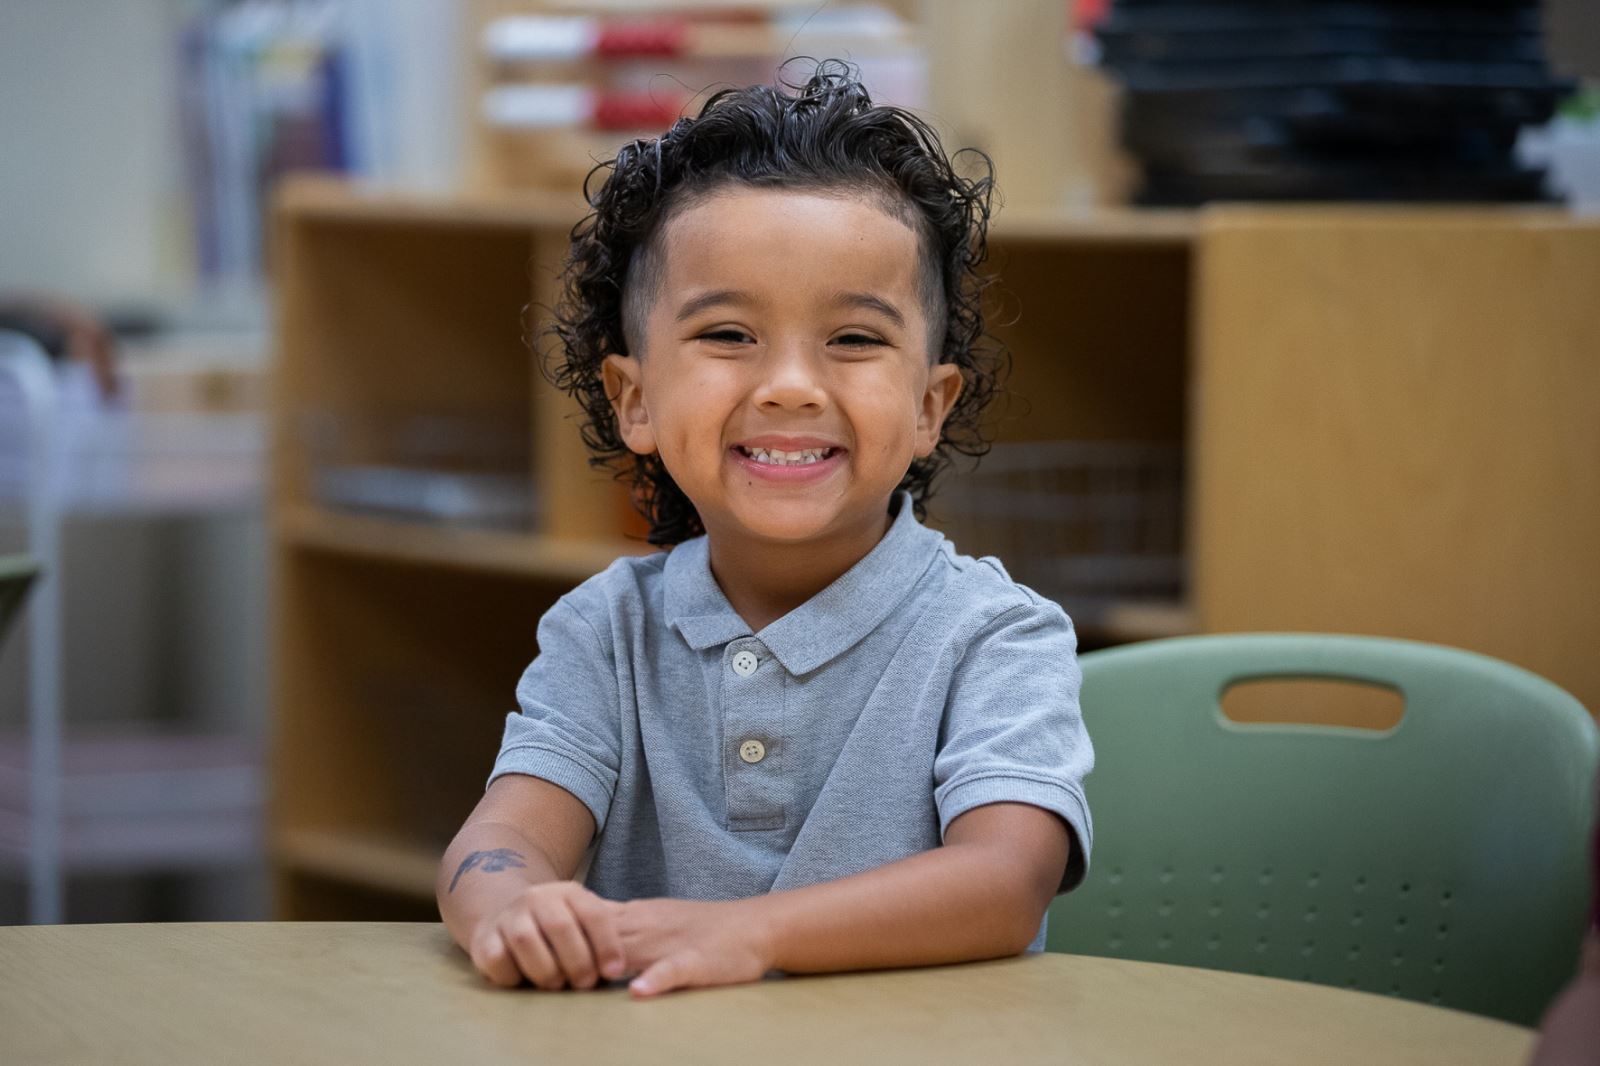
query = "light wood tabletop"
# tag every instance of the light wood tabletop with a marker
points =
(354, 993)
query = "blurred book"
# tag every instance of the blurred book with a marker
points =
(264, 90)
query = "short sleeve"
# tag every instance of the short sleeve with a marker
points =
(568, 730)
(1012, 729)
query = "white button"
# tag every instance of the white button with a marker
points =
(752, 751)
(745, 663)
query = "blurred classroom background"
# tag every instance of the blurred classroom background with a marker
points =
(1301, 297)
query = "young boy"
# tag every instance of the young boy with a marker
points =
(811, 736)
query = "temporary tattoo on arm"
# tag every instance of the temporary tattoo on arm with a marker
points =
(491, 862)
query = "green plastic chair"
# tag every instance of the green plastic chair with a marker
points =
(16, 574)
(1443, 860)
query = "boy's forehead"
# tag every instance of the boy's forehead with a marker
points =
(790, 240)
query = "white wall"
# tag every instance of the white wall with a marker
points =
(92, 196)
(89, 167)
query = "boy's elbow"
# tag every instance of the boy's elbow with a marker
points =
(1025, 900)
(1033, 887)
(1024, 927)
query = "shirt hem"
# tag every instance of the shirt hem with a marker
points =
(956, 798)
(560, 769)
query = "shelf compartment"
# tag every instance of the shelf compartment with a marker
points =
(394, 689)
(451, 469)
(389, 328)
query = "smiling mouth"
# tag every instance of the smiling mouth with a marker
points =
(776, 457)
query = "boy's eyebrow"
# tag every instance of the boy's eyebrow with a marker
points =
(711, 299)
(870, 302)
(865, 300)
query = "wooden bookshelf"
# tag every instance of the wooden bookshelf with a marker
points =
(1381, 412)
(399, 642)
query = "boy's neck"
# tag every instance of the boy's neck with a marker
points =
(763, 581)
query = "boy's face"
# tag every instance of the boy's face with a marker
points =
(792, 321)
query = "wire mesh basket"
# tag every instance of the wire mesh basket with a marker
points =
(1086, 523)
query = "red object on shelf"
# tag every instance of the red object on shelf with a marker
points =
(1087, 14)
(642, 38)
(636, 111)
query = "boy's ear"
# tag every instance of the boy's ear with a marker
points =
(944, 387)
(624, 385)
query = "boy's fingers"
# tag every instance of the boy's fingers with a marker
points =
(598, 917)
(491, 958)
(565, 936)
(532, 954)
(668, 974)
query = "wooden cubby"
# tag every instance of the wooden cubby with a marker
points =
(399, 644)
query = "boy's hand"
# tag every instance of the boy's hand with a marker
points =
(673, 943)
(555, 934)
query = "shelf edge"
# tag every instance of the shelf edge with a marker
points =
(366, 859)
(524, 555)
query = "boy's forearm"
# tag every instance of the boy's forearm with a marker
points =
(956, 903)
(485, 867)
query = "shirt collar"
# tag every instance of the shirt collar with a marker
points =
(827, 624)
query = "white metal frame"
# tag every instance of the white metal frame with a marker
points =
(172, 795)
(26, 363)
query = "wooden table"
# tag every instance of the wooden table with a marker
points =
(354, 993)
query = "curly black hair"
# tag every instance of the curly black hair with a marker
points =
(822, 134)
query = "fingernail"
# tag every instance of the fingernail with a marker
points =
(640, 987)
(613, 968)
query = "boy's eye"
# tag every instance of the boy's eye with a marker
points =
(857, 340)
(726, 336)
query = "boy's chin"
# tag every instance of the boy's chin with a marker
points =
(788, 522)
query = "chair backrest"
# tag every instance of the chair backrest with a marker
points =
(16, 574)
(1443, 860)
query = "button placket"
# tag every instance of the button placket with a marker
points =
(752, 707)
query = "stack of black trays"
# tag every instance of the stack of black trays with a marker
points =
(1330, 99)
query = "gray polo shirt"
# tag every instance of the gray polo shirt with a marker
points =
(721, 763)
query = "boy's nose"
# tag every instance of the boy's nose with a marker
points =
(790, 378)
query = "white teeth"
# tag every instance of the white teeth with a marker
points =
(775, 457)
